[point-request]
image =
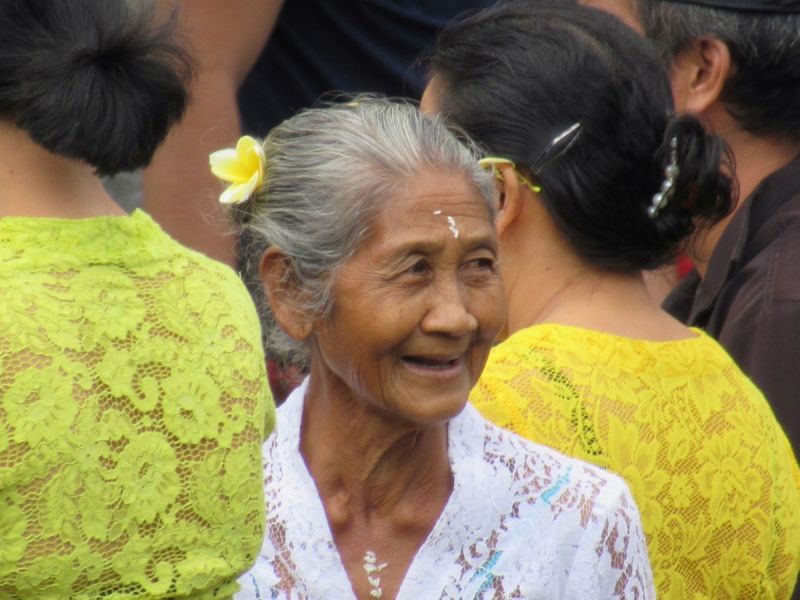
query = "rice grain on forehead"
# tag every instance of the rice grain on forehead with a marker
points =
(329, 171)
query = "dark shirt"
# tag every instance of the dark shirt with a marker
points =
(321, 46)
(749, 299)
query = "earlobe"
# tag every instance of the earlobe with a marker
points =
(708, 64)
(511, 198)
(282, 292)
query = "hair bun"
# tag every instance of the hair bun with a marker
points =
(704, 187)
(93, 80)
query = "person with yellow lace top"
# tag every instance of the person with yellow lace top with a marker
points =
(133, 399)
(597, 181)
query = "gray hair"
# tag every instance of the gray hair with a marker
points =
(328, 172)
(763, 90)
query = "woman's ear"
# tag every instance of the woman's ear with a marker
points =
(282, 292)
(509, 204)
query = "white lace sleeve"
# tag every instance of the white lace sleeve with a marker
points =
(612, 561)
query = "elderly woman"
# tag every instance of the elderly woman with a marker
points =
(374, 239)
(589, 364)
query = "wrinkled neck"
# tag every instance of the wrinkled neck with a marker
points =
(373, 463)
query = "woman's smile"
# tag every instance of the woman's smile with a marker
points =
(442, 367)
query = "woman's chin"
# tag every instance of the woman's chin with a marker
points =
(430, 409)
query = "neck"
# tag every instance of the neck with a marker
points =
(37, 183)
(546, 282)
(756, 158)
(380, 467)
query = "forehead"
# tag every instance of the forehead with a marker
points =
(428, 205)
(432, 191)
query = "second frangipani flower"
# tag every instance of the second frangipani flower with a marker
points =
(242, 167)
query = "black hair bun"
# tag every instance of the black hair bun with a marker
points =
(704, 189)
(94, 80)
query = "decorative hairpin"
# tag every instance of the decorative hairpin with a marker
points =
(664, 195)
(557, 147)
(242, 167)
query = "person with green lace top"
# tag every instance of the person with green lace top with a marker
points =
(133, 397)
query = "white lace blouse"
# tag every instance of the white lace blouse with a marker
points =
(522, 522)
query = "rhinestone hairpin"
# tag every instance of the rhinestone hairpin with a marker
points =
(664, 195)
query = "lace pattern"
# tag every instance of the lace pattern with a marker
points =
(132, 413)
(522, 522)
(711, 470)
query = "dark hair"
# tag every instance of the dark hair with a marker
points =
(762, 91)
(94, 80)
(518, 74)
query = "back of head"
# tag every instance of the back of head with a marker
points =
(93, 80)
(762, 91)
(517, 75)
(328, 171)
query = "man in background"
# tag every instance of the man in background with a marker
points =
(736, 65)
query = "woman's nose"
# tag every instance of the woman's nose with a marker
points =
(449, 312)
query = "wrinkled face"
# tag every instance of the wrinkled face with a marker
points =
(417, 307)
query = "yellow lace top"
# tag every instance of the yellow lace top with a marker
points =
(133, 406)
(712, 472)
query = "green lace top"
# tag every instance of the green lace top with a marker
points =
(133, 404)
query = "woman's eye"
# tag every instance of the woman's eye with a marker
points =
(484, 263)
(419, 268)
